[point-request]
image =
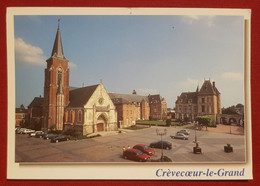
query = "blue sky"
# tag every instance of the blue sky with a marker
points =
(151, 54)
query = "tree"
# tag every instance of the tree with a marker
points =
(204, 121)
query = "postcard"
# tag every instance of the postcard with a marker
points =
(129, 93)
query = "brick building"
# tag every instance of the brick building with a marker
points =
(205, 101)
(21, 116)
(130, 107)
(158, 107)
(35, 112)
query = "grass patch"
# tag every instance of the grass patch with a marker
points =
(134, 127)
(154, 123)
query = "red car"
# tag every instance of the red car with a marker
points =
(145, 149)
(134, 154)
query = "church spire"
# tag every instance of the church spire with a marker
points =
(57, 50)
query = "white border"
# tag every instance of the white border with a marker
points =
(118, 171)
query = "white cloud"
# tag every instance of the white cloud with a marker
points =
(27, 53)
(233, 76)
(191, 19)
(73, 65)
(146, 91)
(189, 84)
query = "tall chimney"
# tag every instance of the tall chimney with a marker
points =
(213, 84)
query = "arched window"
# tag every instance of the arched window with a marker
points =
(79, 116)
(59, 76)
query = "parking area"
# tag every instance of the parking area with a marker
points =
(108, 148)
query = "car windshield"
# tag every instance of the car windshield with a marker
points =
(139, 152)
(146, 147)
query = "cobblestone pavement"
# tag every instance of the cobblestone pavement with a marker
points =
(108, 148)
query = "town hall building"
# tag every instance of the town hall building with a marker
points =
(205, 101)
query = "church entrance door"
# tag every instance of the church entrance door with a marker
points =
(101, 123)
(100, 127)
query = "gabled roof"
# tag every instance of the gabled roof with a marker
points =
(57, 50)
(80, 96)
(37, 102)
(119, 98)
(208, 88)
(186, 97)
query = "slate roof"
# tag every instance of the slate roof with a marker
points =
(186, 96)
(119, 98)
(57, 50)
(80, 96)
(37, 102)
(208, 88)
(155, 98)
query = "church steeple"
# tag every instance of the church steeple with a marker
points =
(57, 50)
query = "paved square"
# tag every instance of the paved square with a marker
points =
(108, 148)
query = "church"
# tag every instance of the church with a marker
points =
(87, 109)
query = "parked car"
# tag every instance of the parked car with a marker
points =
(49, 136)
(40, 134)
(179, 135)
(27, 131)
(136, 155)
(59, 138)
(20, 130)
(144, 149)
(161, 144)
(34, 133)
(184, 131)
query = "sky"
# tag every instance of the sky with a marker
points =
(152, 54)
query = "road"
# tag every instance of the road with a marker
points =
(108, 148)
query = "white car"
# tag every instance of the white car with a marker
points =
(28, 131)
(34, 133)
(180, 136)
(184, 131)
(20, 131)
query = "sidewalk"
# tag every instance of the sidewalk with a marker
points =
(227, 129)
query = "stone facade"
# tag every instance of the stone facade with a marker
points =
(94, 113)
(205, 101)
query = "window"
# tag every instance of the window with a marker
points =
(203, 100)
(203, 108)
(59, 76)
(79, 116)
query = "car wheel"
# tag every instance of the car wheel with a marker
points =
(167, 148)
(57, 141)
(125, 157)
(68, 139)
(40, 136)
(140, 160)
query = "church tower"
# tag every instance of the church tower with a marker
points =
(56, 87)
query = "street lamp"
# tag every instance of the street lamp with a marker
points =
(161, 133)
(196, 149)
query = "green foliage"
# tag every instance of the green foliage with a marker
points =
(159, 123)
(207, 121)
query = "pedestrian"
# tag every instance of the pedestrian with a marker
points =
(123, 148)
(128, 147)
